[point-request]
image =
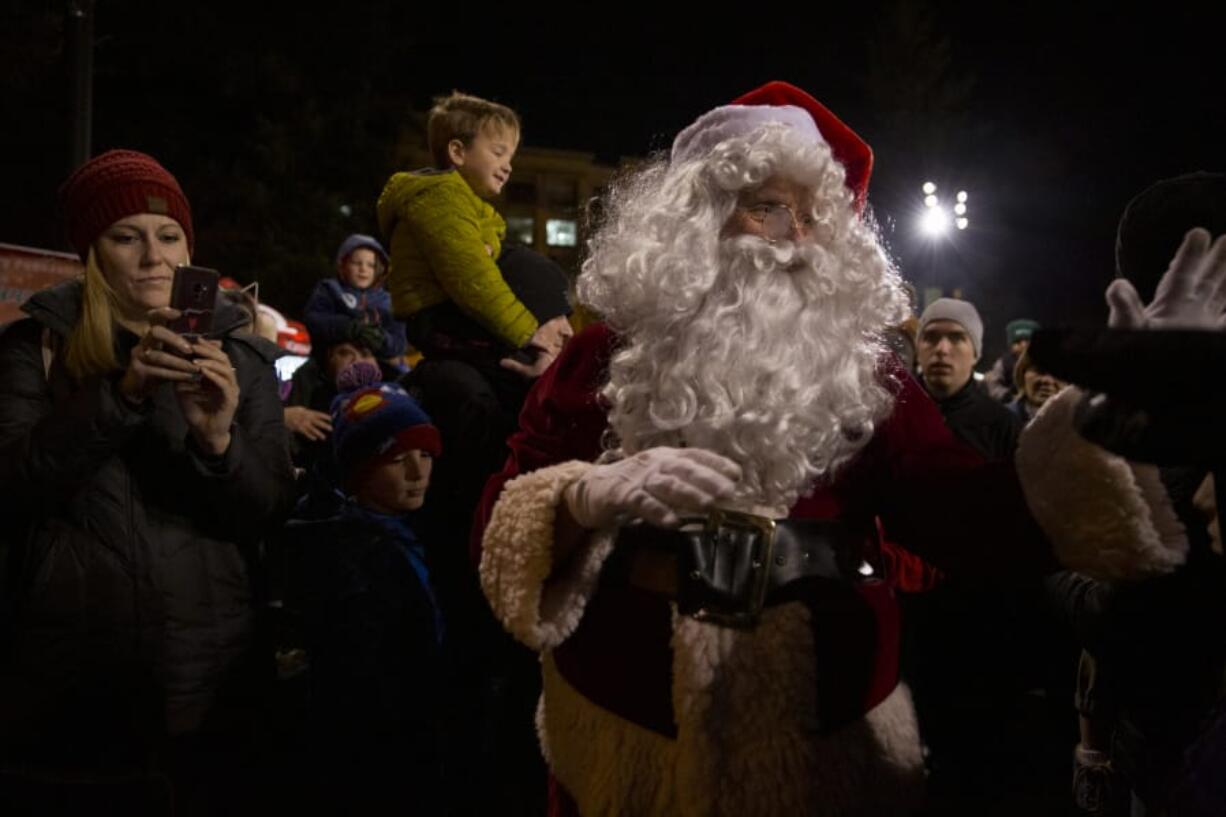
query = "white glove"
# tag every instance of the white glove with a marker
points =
(653, 485)
(1191, 295)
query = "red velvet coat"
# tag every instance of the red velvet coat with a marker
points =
(932, 494)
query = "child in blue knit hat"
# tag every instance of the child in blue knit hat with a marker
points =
(354, 306)
(374, 631)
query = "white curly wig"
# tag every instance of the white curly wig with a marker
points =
(766, 353)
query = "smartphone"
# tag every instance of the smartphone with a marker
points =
(527, 355)
(194, 294)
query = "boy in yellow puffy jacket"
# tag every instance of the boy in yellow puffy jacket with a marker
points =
(446, 242)
(488, 318)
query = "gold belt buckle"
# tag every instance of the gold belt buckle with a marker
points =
(753, 600)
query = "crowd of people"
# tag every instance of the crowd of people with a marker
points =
(719, 527)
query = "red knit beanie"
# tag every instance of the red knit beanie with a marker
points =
(117, 184)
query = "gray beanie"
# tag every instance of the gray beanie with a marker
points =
(960, 312)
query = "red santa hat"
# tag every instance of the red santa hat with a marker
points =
(788, 105)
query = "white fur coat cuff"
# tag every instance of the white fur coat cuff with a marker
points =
(1105, 516)
(517, 559)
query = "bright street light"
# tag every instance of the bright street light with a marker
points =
(934, 222)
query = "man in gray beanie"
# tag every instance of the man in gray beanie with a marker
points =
(950, 343)
(962, 674)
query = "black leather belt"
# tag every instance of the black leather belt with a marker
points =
(729, 566)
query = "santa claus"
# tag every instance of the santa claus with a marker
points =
(687, 526)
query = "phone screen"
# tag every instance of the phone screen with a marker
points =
(194, 294)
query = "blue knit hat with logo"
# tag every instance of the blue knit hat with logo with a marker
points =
(374, 421)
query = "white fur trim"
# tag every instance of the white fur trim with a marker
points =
(729, 121)
(746, 704)
(753, 755)
(517, 559)
(1106, 517)
(609, 765)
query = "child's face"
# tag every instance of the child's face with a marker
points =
(397, 485)
(485, 163)
(360, 268)
(344, 354)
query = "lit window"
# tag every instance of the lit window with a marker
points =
(561, 232)
(520, 229)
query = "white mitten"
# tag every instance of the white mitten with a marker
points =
(1191, 294)
(653, 485)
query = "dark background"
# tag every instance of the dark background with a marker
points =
(274, 115)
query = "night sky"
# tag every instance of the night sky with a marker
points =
(1050, 118)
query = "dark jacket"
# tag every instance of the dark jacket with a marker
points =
(998, 382)
(374, 637)
(1021, 409)
(130, 574)
(334, 307)
(981, 422)
(1170, 417)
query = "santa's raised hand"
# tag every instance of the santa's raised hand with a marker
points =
(1191, 295)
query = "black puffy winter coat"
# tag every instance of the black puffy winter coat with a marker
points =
(130, 558)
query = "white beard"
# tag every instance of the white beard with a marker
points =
(775, 368)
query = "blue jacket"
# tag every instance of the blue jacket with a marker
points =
(373, 633)
(334, 306)
(373, 626)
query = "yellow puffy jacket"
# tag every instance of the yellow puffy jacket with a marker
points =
(438, 230)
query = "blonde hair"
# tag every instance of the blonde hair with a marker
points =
(462, 116)
(90, 349)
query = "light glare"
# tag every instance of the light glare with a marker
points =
(934, 222)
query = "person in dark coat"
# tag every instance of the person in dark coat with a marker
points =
(354, 305)
(139, 468)
(1149, 691)
(950, 344)
(476, 400)
(309, 403)
(374, 629)
(984, 731)
(1000, 382)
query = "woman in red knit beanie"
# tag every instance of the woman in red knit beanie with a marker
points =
(123, 212)
(141, 466)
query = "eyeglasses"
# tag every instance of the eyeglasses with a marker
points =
(778, 220)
